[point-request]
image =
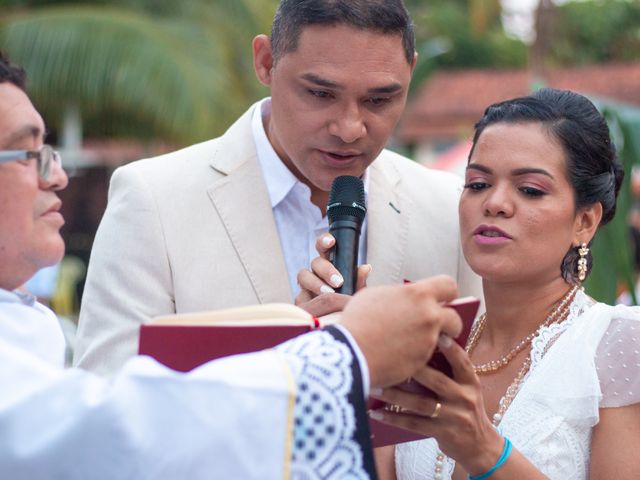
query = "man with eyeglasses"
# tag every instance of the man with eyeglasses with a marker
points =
(230, 419)
(45, 157)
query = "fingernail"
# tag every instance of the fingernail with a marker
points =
(336, 280)
(370, 267)
(376, 414)
(375, 391)
(326, 289)
(327, 241)
(444, 341)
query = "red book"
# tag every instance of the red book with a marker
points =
(383, 434)
(185, 341)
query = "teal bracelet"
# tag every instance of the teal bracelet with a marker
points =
(506, 451)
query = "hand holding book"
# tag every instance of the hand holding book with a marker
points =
(385, 434)
(185, 341)
(466, 307)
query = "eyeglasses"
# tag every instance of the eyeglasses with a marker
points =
(45, 158)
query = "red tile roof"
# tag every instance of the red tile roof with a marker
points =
(450, 102)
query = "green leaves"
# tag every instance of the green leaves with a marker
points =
(613, 260)
(181, 75)
(596, 31)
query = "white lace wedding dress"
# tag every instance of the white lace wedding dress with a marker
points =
(590, 361)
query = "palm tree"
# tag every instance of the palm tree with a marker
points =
(182, 74)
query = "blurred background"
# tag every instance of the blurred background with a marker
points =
(119, 80)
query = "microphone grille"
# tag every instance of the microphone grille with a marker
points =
(346, 198)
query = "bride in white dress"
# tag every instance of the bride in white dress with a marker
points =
(546, 367)
(549, 385)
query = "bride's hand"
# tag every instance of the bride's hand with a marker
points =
(457, 418)
(317, 294)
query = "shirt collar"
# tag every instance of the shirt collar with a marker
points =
(277, 176)
(279, 179)
(17, 297)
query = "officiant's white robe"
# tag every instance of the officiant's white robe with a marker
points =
(274, 414)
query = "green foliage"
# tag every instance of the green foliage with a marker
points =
(613, 262)
(596, 31)
(467, 33)
(177, 70)
(183, 70)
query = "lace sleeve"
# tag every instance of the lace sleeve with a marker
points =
(326, 433)
(618, 360)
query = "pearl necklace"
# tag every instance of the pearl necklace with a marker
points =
(503, 361)
(513, 389)
(560, 314)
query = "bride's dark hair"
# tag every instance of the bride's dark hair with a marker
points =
(581, 130)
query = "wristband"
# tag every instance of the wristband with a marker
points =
(506, 451)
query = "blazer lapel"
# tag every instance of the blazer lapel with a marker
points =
(388, 224)
(241, 199)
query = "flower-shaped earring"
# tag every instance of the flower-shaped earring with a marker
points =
(583, 251)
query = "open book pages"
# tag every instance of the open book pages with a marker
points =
(253, 315)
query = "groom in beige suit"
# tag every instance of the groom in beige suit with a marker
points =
(231, 221)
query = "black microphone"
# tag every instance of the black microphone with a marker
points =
(346, 211)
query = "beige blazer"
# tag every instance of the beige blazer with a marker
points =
(193, 230)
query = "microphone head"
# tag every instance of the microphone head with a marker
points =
(346, 199)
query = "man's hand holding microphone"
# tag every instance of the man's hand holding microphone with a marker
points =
(396, 327)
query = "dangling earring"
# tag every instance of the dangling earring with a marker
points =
(583, 251)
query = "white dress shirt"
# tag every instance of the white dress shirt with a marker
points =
(39, 333)
(299, 222)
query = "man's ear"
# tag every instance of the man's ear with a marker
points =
(263, 59)
(586, 223)
(414, 62)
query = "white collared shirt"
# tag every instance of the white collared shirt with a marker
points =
(298, 220)
(29, 325)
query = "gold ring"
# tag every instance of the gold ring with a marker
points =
(436, 411)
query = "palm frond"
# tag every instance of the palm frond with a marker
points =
(162, 70)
